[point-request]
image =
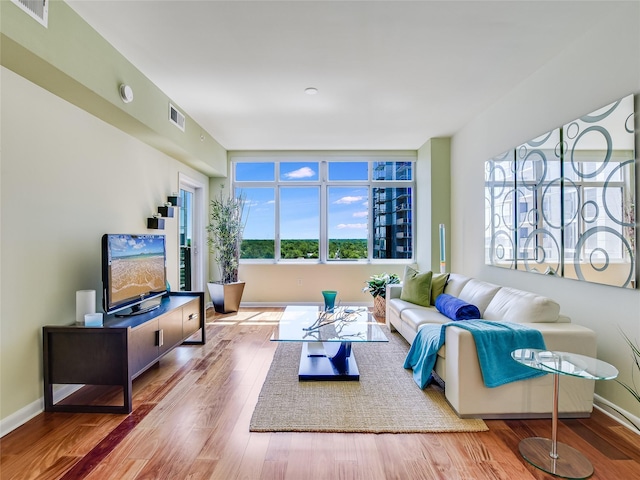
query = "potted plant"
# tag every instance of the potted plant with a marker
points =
(632, 389)
(377, 287)
(225, 230)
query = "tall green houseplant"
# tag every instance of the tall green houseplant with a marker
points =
(225, 235)
(225, 229)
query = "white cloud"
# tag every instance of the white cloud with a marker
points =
(348, 200)
(363, 214)
(304, 172)
(358, 226)
(137, 245)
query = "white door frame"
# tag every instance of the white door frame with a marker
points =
(199, 241)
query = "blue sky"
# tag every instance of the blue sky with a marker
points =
(127, 245)
(300, 204)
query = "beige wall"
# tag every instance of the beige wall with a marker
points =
(67, 178)
(298, 283)
(598, 68)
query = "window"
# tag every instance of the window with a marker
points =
(260, 208)
(185, 229)
(299, 223)
(326, 209)
(191, 233)
(347, 222)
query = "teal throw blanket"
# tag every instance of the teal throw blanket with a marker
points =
(494, 342)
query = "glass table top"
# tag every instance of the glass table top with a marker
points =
(565, 363)
(311, 324)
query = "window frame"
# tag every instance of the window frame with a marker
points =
(323, 182)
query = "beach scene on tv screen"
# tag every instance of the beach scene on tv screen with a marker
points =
(137, 266)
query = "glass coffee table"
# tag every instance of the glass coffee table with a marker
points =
(550, 455)
(327, 338)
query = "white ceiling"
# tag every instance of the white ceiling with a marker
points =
(390, 74)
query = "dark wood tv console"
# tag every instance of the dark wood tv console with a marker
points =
(119, 351)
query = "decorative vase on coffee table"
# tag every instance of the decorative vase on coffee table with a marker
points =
(329, 299)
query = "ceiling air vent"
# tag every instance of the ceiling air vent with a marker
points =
(38, 9)
(176, 117)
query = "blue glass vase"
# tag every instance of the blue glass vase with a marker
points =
(329, 299)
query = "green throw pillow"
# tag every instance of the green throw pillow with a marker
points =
(416, 287)
(438, 283)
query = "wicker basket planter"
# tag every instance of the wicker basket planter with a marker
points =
(379, 308)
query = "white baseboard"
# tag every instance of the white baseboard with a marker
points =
(615, 412)
(22, 416)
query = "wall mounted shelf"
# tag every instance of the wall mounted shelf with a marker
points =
(166, 211)
(156, 222)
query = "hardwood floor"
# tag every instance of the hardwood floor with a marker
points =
(191, 421)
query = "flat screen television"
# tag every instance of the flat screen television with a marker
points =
(133, 271)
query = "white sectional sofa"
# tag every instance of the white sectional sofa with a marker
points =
(457, 363)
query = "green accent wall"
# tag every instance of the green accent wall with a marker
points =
(72, 61)
(433, 204)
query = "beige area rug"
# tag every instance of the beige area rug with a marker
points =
(385, 400)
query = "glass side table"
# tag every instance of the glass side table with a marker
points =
(550, 455)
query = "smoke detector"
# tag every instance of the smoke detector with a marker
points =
(126, 93)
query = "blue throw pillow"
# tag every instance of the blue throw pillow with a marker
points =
(456, 309)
